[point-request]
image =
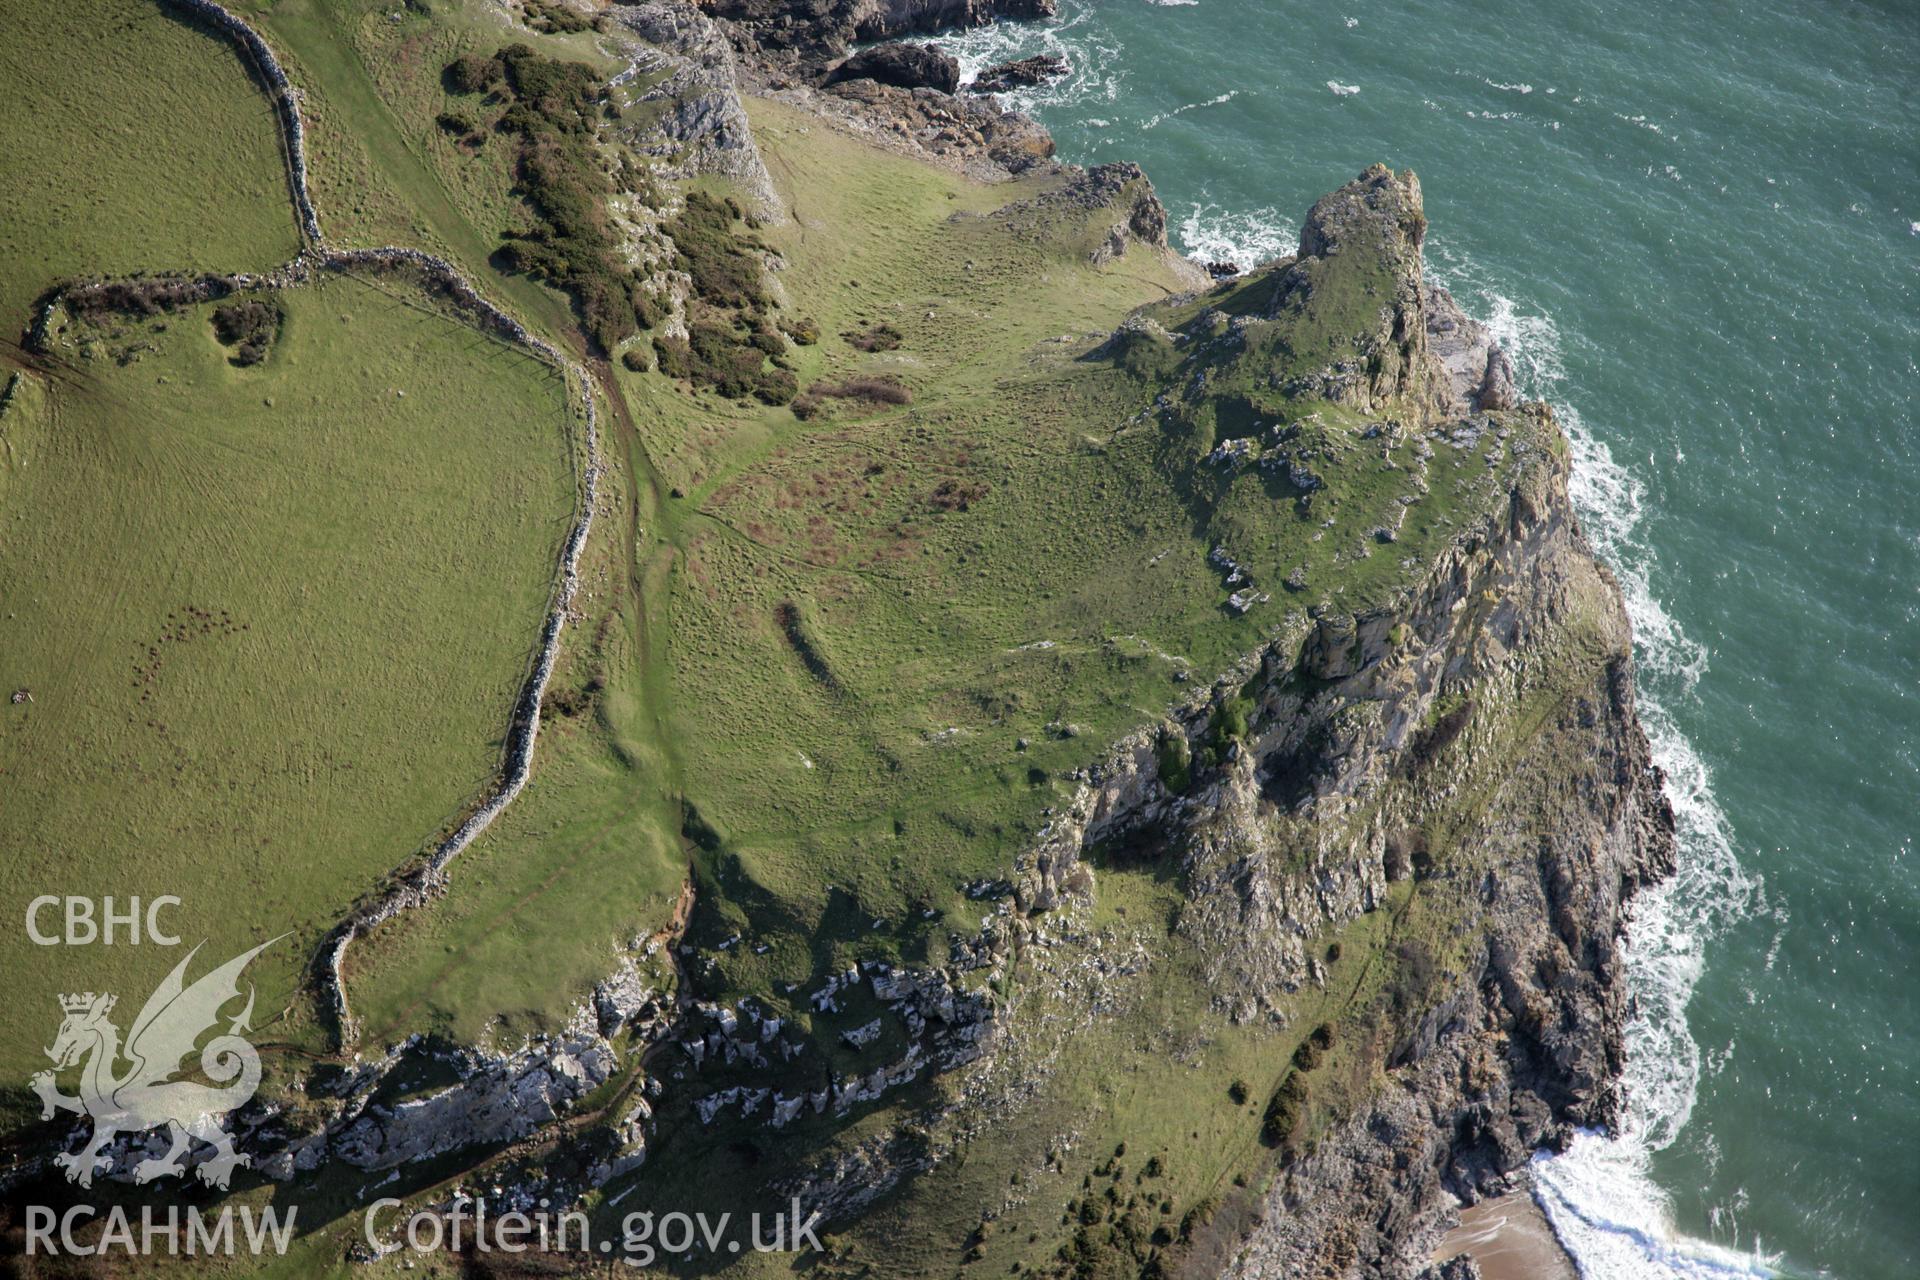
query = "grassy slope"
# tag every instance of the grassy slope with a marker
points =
(870, 785)
(590, 854)
(375, 564)
(379, 167)
(596, 834)
(857, 775)
(109, 168)
(1154, 1075)
(839, 791)
(871, 792)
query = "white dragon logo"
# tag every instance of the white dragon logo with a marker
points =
(145, 1095)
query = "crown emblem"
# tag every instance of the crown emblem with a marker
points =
(85, 1001)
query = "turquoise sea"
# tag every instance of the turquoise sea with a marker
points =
(1696, 225)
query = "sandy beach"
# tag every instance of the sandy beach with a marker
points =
(1509, 1238)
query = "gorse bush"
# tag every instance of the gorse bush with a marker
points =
(878, 337)
(733, 344)
(1173, 757)
(1445, 720)
(725, 270)
(865, 391)
(1279, 1124)
(724, 357)
(551, 18)
(249, 327)
(551, 110)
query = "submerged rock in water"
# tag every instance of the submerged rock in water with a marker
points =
(1022, 73)
(814, 28)
(905, 66)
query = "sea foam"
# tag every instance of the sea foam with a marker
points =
(1093, 73)
(1599, 1195)
(1210, 233)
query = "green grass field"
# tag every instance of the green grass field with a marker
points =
(272, 619)
(382, 173)
(110, 168)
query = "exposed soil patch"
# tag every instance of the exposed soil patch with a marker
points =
(864, 393)
(876, 337)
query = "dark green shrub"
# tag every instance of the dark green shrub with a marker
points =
(249, 327)
(725, 270)
(552, 112)
(1197, 1217)
(732, 338)
(1445, 721)
(1416, 972)
(675, 356)
(1147, 356)
(472, 73)
(775, 386)
(1284, 1110)
(1174, 759)
(549, 19)
(1229, 722)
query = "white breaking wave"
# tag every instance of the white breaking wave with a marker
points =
(1093, 65)
(1342, 90)
(1185, 107)
(1600, 1195)
(1210, 233)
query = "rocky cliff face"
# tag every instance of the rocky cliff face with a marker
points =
(1470, 754)
(1464, 764)
(1481, 742)
(901, 95)
(703, 127)
(1419, 349)
(826, 27)
(1462, 761)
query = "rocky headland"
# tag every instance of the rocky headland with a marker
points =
(1452, 774)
